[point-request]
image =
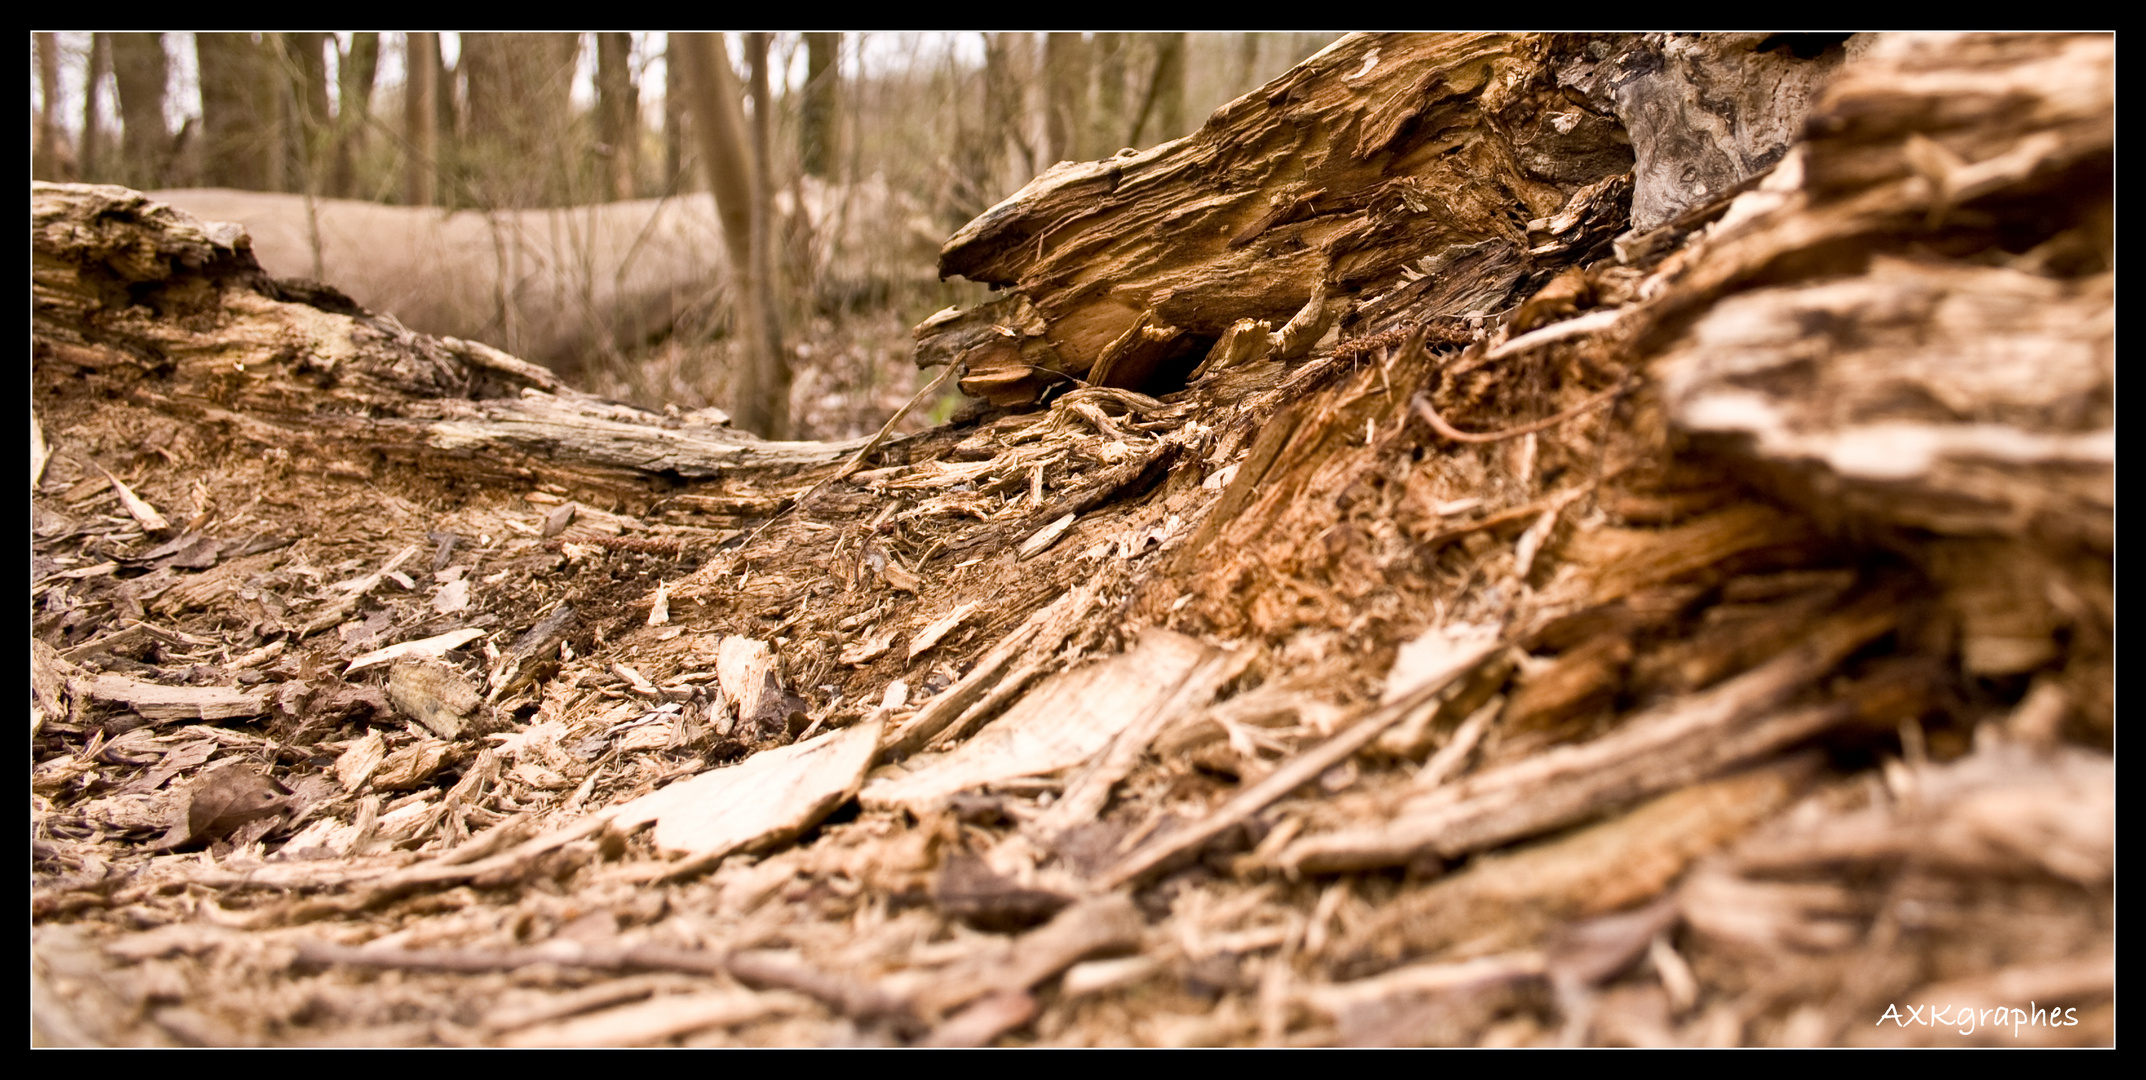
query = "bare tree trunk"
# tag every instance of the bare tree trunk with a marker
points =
(141, 69)
(100, 63)
(1165, 98)
(1006, 67)
(823, 91)
(420, 119)
(1247, 63)
(676, 115)
(1170, 86)
(519, 87)
(50, 160)
(354, 95)
(617, 115)
(1065, 92)
(726, 152)
(769, 328)
(236, 138)
(306, 121)
(1111, 52)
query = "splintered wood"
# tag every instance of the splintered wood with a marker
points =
(1473, 546)
(770, 797)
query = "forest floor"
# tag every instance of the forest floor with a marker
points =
(1267, 710)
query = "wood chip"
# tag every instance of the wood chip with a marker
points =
(1040, 633)
(435, 695)
(39, 452)
(940, 627)
(868, 650)
(431, 648)
(987, 1018)
(1434, 655)
(1089, 791)
(224, 799)
(1670, 745)
(1105, 924)
(356, 764)
(1293, 774)
(746, 670)
(1062, 723)
(1045, 536)
(770, 796)
(901, 579)
(558, 519)
(165, 703)
(411, 765)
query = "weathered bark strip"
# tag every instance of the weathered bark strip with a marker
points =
(1512, 897)
(1959, 412)
(1664, 748)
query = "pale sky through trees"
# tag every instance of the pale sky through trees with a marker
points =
(873, 51)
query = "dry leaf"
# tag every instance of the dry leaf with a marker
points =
(223, 799)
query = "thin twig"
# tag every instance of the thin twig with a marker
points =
(1422, 405)
(863, 454)
(1300, 770)
(564, 954)
(949, 371)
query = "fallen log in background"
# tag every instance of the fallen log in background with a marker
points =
(562, 286)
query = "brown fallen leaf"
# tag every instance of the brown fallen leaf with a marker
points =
(968, 890)
(223, 799)
(559, 518)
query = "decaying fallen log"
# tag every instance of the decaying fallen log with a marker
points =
(360, 383)
(561, 286)
(1416, 175)
(1464, 578)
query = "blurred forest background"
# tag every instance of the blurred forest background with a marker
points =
(861, 152)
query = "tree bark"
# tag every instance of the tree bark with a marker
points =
(518, 89)
(1165, 95)
(353, 112)
(677, 114)
(1065, 95)
(236, 137)
(818, 116)
(1111, 52)
(308, 129)
(141, 70)
(726, 150)
(774, 356)
(51, 159)
(1008, 73)
(100, 65)
(618, 116)
(420, 119)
